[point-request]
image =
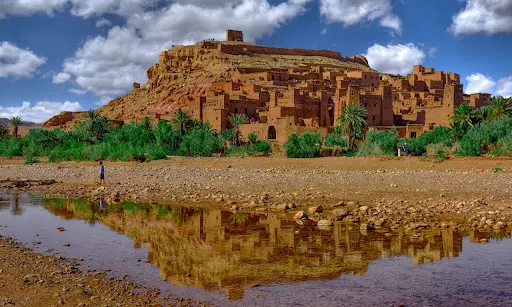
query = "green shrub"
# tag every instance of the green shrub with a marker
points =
(306, 145)
(335, 140)
(200, 142)
(252, 138)
(378, 143)
(262, 148)
(482, 138)
(31, 160)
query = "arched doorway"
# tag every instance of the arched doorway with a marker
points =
(272, 133)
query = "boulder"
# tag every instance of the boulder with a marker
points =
(315, 209)
(340, 213)
(300, 215)
(282, 207)
(325, 222)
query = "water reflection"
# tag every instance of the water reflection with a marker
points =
(220, 250)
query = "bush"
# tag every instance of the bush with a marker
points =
(436, 153)
(378, 143)
(306, 145)
(31, 160)
(484, 137)
(335, 140)
(201, 142)
(262, 148)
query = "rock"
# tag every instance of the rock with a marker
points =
(380, 222)
(300, 215)
(67, 245)
(283, 207)
(315, 209)
(340, 204)
(61, 229)
(340, 213)
(363, 209)
(234, 208)
(366, 227)
(32, 279)
(325, 222)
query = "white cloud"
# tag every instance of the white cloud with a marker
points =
(104, 100)
(77, 91)
(395, 59)
(18, 63)
(479, 83)
(29, 7)
(61, 77)
(103, 22)
(487, 16)
(103, 65)
(324, 31)
(40, 112)
(504, 87)
(351, 12)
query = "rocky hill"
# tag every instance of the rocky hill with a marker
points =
(6, 122)
(184, 73)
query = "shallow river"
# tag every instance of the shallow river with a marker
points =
(238, 259)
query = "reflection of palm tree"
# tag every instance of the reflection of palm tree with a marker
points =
(239, 218)
(16, 209)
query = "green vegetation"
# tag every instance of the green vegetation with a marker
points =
(16, 122)
(306, 145)
(95, 139)
(353, 123)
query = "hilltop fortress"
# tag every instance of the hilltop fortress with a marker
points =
(284, 91)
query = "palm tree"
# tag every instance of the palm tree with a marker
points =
(3, 129)
(237, 119)
(499, 106)
(353, 122)
(16, 121)
(92, 115)
(181, 121)
(464, 116)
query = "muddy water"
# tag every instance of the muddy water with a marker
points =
(239, 259)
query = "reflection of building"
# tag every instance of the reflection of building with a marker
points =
(214, 249)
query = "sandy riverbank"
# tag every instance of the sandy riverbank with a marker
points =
(30, 279)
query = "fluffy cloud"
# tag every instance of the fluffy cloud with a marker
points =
(350, 12)
(40, 112)
(504, 87)
(29, 7)
(103, 65)
(77, 91)
(18, 63)
(479, 83)
(488, 16)
(395, 59)
(102, 22)
(61, 77)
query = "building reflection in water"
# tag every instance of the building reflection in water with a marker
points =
(221, 250)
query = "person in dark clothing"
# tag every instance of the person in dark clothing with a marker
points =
(102, 173)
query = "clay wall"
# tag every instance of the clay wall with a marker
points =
(478, 100)
(244, 49)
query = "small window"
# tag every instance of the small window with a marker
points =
(236, 110)
(246, 111)
(373, 117)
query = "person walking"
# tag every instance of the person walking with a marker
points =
(102, 173)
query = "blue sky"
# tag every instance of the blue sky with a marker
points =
(58, 55)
